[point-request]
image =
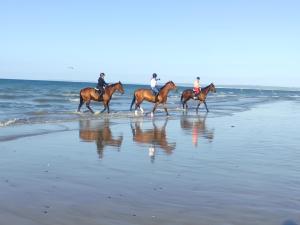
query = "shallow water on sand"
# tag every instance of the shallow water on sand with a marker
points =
(191, 169)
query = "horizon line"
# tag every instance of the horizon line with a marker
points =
(180, 84)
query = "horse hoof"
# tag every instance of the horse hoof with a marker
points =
(151, 114)
(135, 112)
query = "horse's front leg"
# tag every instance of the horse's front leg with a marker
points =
(154, 108)
(105, 107)
(206, 106)
(198, 106)
(166, 110)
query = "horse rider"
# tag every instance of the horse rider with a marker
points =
(197, 88)
(101, 84)
(153, 84)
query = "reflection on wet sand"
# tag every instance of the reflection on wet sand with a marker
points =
(100, 132)
(196, 127)
(154, 137)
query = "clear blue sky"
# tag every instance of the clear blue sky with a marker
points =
(226, 42)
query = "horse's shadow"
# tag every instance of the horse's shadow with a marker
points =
(155, 137)
(196, 126)
(100, 133)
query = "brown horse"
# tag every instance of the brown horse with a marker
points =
(146, 94)
(100, 133)
(88, 94)
(189, 94)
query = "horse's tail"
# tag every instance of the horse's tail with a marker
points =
(181, 97)
(133, 100)
(81, 99)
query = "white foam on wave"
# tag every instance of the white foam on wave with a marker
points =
(8, 122)
(73, 99)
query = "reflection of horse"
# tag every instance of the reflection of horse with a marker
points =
(88, 94)
(189, 94)
(99, 132)
(196, 127)
(146, 94)
(156, 137)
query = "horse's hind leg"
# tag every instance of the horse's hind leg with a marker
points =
(142, 110)
(138, 105)
(103, 109)
(88, 106)
(184, 104)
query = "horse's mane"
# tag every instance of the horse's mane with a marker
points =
(114, 84)
(166, 84)
(207, 86)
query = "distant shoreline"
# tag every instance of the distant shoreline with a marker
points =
(234, 86)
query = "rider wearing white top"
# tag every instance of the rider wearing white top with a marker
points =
(153, 83)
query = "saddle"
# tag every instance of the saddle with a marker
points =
(154, 93)
(99, 92)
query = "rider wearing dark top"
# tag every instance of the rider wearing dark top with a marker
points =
(101, 84)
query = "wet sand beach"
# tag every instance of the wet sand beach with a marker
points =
(205, 169)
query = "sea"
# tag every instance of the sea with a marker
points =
(36, 102)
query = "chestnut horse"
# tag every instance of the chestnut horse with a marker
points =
(146, 94)
(88, 94)
(189, 94)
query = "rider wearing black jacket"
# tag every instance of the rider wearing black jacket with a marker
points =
(101, 84)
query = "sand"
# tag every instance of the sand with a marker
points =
(238, 169)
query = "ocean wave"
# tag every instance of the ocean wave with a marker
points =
(46, 100)
(38, 113)
(8, 122)
(7, 96)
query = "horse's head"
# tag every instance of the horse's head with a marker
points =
(212, 88)
(119, 87)
(171, 85)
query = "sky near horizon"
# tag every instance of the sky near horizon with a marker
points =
(226, 42)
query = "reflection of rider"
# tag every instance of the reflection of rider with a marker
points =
(153, 83)
(101, 84)
(152, 153)
(197, 87)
